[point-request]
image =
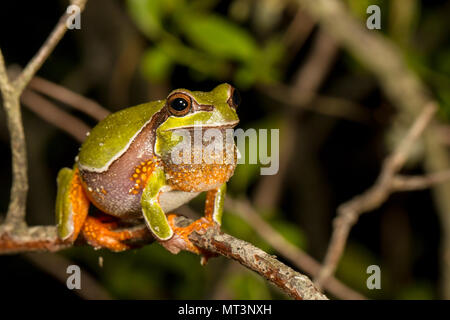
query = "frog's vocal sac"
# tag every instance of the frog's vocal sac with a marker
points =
(126, 170)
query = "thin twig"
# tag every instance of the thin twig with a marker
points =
(297, 33)
(410, 183)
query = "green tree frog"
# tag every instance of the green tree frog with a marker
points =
(125, 168)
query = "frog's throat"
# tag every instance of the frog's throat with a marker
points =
(116, 156)
(163, 135)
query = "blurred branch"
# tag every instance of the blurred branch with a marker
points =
(295, 255)
(349, 212)
(324, 105)
(372, 49)
(297, 32)
(36, 62)
(409, 183)
(69, 97)
(408, 93)
(307, 82)
(54, 115)
(56, 266)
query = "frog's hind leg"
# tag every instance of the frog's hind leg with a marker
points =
(72, 205)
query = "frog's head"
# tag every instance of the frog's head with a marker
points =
(190, 110)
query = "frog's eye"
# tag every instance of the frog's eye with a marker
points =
(179, 104)
(235, 99)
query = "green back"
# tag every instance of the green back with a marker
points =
(111, 137)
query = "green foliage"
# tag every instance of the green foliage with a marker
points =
(204, 31)
(156, 65)
(420, 290)
(290, 232)
(359, 7)
(248, 285)
(187, 33)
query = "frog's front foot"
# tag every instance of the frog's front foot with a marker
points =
(180, 239)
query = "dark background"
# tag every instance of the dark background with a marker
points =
(332, 159)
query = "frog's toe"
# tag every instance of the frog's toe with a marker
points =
(175, 244)
(180, 239)
(101, 235)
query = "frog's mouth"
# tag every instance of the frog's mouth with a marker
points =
(222, 126)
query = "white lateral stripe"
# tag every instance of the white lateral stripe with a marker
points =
(118, 155)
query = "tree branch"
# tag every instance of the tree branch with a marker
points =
(410, 183)
(214, 241)
(297, 285)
